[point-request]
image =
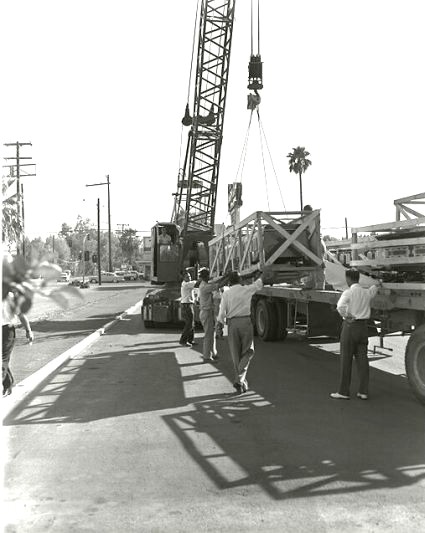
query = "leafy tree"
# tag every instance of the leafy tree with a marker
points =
(298, 163)
(19, 285)
(11, 225)
(129, 243)
(36, 252)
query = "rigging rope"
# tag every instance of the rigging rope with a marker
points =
(242, 159)
(262, 158)
(271, 160)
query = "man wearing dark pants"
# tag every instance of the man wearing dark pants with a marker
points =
(186, 292)
(354, 307)
(235, 309)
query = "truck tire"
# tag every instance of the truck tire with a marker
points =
(415, 362)
(282, 321)
(266, 320)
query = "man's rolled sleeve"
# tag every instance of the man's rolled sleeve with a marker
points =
(343, 302)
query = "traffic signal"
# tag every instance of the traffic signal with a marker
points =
(86, 255)
(94, 258)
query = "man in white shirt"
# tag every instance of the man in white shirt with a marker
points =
(235, 309)
(186, 302)
(354, 307)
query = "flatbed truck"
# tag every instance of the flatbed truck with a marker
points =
(294, 250)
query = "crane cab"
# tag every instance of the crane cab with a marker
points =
(166, 252)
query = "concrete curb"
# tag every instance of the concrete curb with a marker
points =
(27, 385)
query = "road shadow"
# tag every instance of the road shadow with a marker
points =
(53, 328)
(117, 287)
(287, 436)
(284, 435)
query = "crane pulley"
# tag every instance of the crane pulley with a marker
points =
(255, 67)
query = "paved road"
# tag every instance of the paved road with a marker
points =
(56, 330)
(137, 434)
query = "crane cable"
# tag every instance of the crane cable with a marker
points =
(270, 156)
(242, 158)
(252, 27)
(190, 78)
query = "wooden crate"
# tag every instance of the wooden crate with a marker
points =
(289, 242)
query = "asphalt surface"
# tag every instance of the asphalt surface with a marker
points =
(135, 433)
(56, 330)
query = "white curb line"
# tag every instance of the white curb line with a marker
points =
(27, 385)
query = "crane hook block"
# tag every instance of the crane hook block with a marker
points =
(255, 73)
(253, 101)
(187, 119)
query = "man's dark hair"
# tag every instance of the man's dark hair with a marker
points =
(204, 274)
(353, 275)
(234, 277)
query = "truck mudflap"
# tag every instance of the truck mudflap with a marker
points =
(415, 362)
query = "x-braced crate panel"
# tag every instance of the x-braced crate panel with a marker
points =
(289, 242)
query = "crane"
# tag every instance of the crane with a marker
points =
(182, 242)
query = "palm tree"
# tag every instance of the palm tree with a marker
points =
(299, 163)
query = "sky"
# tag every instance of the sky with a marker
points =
(99, 87)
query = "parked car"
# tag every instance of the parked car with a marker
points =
(128, 275)
(106, 277)
(134, 274)
(131, 275)
(78, 282)
(65, 276)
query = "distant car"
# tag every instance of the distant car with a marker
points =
(106, 277)
(65, 277)
(120, 273)
(135, 275)
(78, 282)
(130, 275)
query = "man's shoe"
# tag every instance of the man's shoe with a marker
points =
(245, 386)
(238, 387)
(362, 396)
(338, 396)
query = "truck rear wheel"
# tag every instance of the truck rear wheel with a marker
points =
(415, 362)
(266, 320)
(282, 321)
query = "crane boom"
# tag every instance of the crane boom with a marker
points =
(195, 200)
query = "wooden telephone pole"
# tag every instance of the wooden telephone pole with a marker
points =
(15, 171)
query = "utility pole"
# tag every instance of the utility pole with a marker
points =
(109, 217)
(98, 243)
(19, 190)
(109, 225)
